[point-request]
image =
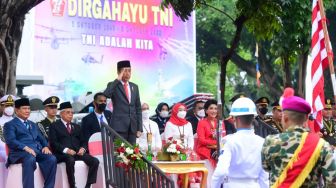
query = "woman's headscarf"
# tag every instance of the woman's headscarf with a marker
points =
(159, 108)
(176, 120)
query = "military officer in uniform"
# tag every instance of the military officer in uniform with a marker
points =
(297, 157)
(7, 104)
(261, 128)
(329, 124)
(50, 106)
(275, 121)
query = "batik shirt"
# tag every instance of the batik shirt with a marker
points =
(279, 149)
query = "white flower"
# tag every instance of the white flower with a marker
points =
(129, 151)
(122, 144)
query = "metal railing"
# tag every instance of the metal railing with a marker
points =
(117, 177)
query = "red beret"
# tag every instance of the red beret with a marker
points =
(296, 104)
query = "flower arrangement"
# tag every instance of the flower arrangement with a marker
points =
(174, 148)
(128, 156)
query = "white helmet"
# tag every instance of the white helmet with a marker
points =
(243, 106)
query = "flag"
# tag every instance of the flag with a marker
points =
(319, 61)
(257, 66)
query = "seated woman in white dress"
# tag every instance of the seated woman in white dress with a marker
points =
(151, 134)
(178, 127)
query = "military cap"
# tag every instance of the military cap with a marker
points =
(239, 95)
(276, 105)
(51, 101)
(7, 99)
(328, 103)
(262, 100)
(65, 105)
(123, 64)
(22, 102)
(296, 104)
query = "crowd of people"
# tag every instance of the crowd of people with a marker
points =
(259, 150)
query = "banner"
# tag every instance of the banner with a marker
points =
(77, 44)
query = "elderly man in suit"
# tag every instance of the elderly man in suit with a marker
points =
(126, 117)
(68, 145)
(28, 146)
(91, 122)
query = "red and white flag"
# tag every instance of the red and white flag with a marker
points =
(316, 65)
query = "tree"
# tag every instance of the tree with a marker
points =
(250, 12)
(12, 15)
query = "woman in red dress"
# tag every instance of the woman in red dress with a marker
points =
(206, 132)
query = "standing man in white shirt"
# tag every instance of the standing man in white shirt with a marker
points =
(239, 165)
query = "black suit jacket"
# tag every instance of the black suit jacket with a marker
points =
(126, 115)
(59, 138)
(91, 125)
(194, 122)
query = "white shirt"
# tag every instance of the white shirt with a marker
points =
(98, 117)
(174, 131)
(241, 159)
(129, 89)
(4, 119)
(149, 125)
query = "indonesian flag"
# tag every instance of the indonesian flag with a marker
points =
(317, 62)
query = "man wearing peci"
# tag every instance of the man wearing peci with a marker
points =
(68, 145)
(91, 122)
(126, 117)
(27, 146)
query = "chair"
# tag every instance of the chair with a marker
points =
(81, 172)
(14, 177)
(96, 149)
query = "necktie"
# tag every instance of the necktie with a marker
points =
(126, 91)
(68, 128)
(101, 120)
(26, 124)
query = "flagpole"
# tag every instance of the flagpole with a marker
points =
(327, 44)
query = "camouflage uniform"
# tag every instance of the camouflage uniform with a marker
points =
(278, 150)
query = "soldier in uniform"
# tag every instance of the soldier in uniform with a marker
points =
(275, 121)
(7, 104)
(297, 157)
(50, 106)
(261, 128)
(329, 125)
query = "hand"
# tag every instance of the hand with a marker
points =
(121, 74)
(30, 151)
(138, 134)
(320, 134)
(46, 150)
(71, 152)
(81, 152)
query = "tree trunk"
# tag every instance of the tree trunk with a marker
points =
(239, 23)
(302, 73)
(11, 25)
(287, 72)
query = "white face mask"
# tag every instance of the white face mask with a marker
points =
(201, 113)
(164, 114)
(182, 114)
(9, 111)
(145, 114)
